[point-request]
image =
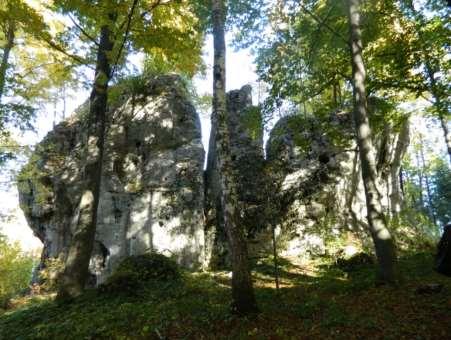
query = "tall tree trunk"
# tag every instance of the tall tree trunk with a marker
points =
(401, 183)
(242, 289)
(442, 108)
(426, 180)
(420, 181)
(10, 31)
(275, 257)
(446, 134)
(77, 263)
(397, 189)
(64, 102)
(409, 181)
(383, 242)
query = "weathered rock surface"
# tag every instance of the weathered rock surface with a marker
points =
(246, 139)
(315, 170)
(152, 191)
(156, 197)
(309, 186)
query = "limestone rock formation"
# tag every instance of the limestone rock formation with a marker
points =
(246, 138)
(316, 174)
(156, 196)
(309, 186)
(152, 191)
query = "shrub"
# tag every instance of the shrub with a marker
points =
(50, 274)
(15, 270)
(134, 272)
(354, 262)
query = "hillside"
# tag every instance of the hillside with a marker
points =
(317, 300)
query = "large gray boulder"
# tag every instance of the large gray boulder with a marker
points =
(152, 191)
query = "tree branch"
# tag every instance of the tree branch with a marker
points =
(318, 30)
(29, 70)
(12, 146)
(323, 23)
(83, 31)
(55, 46)
(127, 31)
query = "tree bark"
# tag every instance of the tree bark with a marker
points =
(446, 134)
(10, 32)
(76, 271)
(426, 180)
(383, 242)
(401, 183)
(420, 181)
(442, 109)
(397, 185)
(275, 258)
(242, 289)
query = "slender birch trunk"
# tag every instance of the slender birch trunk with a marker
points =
(242, 289)
(383, 242)
(76, 271)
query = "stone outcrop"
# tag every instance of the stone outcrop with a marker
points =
(152, 191)
(315, 170)
(246, 139)
(309, 186)
(155, 195)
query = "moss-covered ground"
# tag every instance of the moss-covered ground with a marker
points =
(316, 301)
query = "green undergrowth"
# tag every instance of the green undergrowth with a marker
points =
(318, 300)
(136, 273)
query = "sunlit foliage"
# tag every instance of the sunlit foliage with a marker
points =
(15, 270)
(166, 31)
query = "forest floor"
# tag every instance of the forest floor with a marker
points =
(316, 301)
